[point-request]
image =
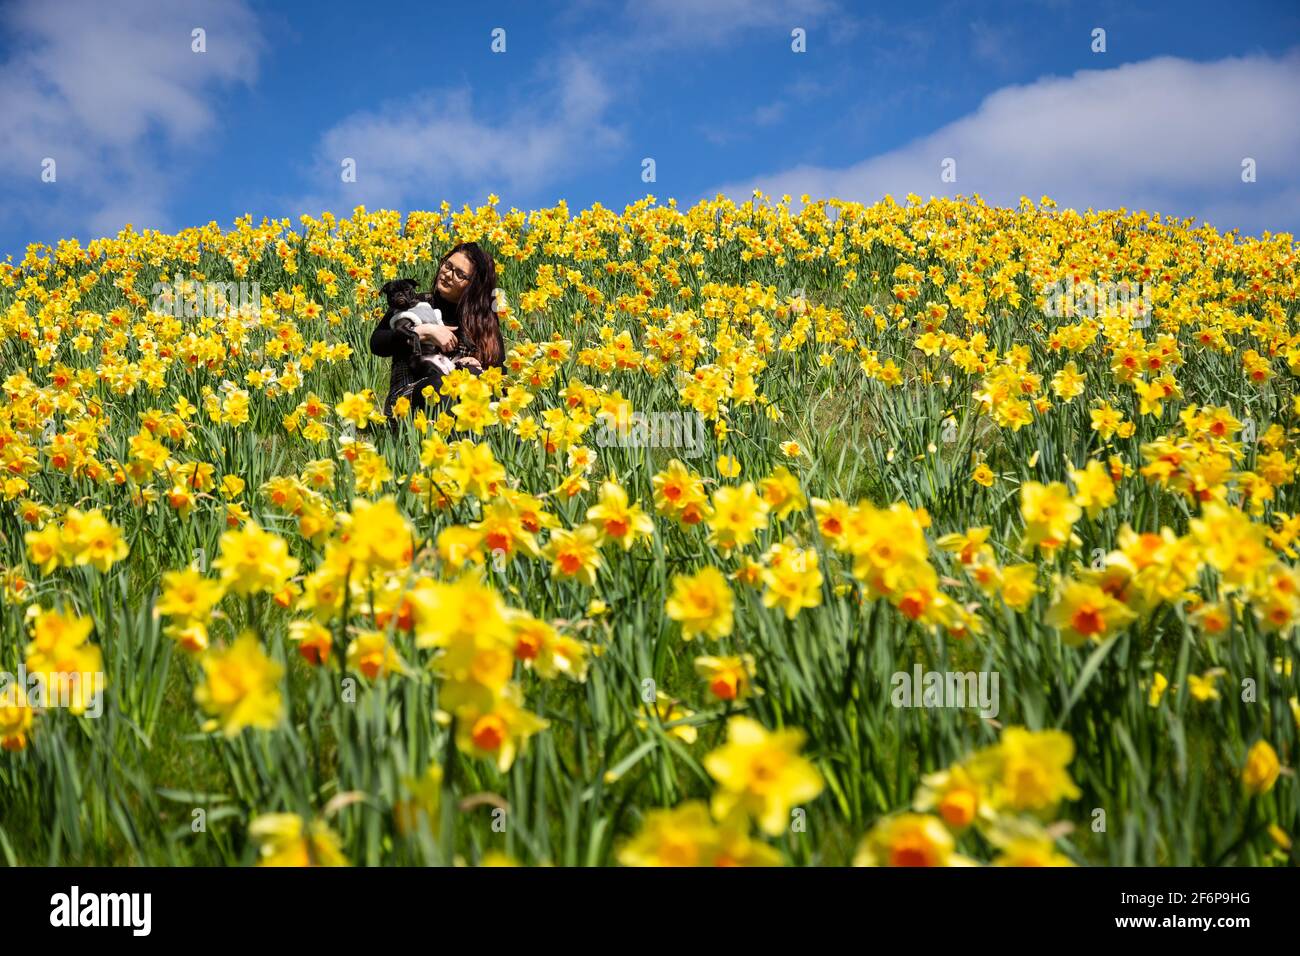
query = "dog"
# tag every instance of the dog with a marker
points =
(408, 308)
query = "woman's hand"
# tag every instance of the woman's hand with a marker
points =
(468, 361)
(440, 335)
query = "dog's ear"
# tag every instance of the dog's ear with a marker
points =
(389, 287)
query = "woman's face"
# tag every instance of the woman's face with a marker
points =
(454, 277)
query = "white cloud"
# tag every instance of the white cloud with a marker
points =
(991, 44)
(1165, 135)
(442, 143)
(772, 113)
(114, 93)
(691, 21)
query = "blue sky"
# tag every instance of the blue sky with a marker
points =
(143, 129)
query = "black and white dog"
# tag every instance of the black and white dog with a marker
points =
(408, 308)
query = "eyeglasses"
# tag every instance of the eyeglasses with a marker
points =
(462, 276)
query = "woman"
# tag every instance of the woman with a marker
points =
(462, 290)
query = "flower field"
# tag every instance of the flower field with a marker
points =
(941, 562)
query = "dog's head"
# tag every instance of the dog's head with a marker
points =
(400, 293)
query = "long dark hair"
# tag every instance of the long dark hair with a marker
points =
(475, 317)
